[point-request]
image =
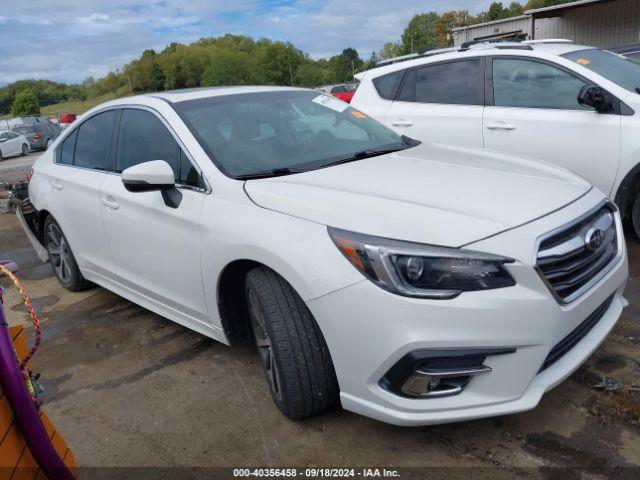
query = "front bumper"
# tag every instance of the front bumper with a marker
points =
(368, 330)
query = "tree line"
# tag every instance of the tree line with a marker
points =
(240, 60)
(431, 30)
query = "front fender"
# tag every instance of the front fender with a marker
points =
(299, 250)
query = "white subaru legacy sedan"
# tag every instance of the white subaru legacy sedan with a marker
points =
(415, 284)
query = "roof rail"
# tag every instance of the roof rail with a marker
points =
(427, 52)
(401, 58)
(509, 39)
(547, 40)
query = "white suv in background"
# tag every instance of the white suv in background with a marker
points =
(400, 277)
(572, 105)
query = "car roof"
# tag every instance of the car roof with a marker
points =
(551, 47)
(174, 96)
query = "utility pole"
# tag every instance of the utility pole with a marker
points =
(353, 70)
(130, 87)
(291, 74)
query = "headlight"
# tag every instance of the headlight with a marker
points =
(423, 271)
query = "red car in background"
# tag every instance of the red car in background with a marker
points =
(344, 91)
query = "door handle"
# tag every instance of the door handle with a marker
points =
(110, 202)
(56, 185)
(501, 126)
(401, 122)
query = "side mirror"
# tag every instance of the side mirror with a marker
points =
(2, 140)
(153, 176)
(597, 98)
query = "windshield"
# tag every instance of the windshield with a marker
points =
(614, 67)
(249, 134)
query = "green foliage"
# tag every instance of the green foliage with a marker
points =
(420, 33)
(343, 66)
(229, 68)
(390, 50)
(25, 103)
(46, 92)
(498, 12)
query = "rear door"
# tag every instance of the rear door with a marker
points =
(5, 144)
(441, 103)
(533, 110)
(16, 143)
(156, 248)
(82, 162)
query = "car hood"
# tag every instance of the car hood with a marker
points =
(433, 194)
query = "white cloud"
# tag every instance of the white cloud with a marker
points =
(71, 40)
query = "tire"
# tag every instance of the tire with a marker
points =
(25, 149)
(294, 354)
(61, 257)
(1, 157)
(635, 216)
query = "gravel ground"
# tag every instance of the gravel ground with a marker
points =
(131, 389)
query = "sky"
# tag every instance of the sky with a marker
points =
(70, 40)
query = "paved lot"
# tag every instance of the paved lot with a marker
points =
(129, 388)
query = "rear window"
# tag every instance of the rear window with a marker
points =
(22, 129)
(455, 83)
(387, 85)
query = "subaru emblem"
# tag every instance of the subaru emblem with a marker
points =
(594, 238)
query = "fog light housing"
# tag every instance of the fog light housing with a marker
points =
(425, 382)
(437, 373)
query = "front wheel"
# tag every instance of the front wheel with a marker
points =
(25, 149)
(635, 216)
(61, 257)
(293, 351)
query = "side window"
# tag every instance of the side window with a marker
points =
(142, 137)
(454, 83)
(387, 85)
(94, 141)
(65, 151)
(530, 84)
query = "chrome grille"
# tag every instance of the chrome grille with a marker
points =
(576, 256)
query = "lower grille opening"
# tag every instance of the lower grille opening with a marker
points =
(581, 331)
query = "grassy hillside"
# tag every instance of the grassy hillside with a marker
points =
(82, 106)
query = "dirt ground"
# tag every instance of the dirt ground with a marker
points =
(130, 389)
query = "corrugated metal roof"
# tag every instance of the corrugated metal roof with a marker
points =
(563, 6)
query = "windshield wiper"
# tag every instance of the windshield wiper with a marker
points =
(276, 172)
(374, 152)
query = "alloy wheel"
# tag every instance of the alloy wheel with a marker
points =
(59, 252)
(263, 342)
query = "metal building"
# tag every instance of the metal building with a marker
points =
(601, 23)
(514, 27)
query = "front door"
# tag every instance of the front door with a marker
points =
(535, 112)
(156, 248)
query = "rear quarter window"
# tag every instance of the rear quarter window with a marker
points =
(387, 85)
(66, 150)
